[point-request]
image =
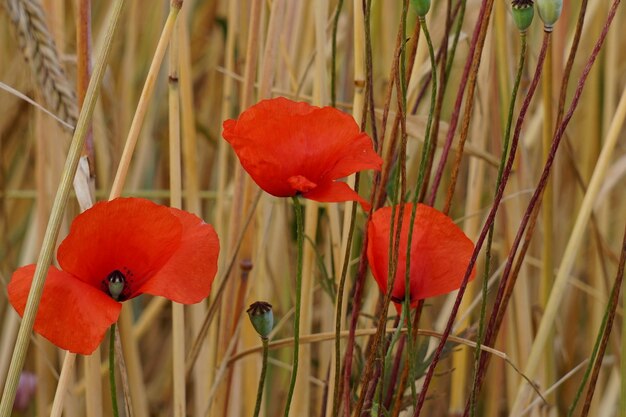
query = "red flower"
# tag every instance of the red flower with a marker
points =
(291, 148)
(440, 253)
(147, 248)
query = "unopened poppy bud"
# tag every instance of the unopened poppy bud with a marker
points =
(549, 12)
(116, 281)
(262, 317)
(523, 13)
(421, 7)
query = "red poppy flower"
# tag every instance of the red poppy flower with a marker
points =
(440, 253)
(143, 247)
(291, 148)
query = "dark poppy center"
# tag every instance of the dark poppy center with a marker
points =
(116, 285)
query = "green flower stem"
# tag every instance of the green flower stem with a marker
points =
(112, 371)
(594, 354)
(595, 361)
(339, 308)
(296, 325)
(505, 151)
(394, 339)
(259, 393)
(455, 41)
(406, 307)
(54, 223)
(433, 100)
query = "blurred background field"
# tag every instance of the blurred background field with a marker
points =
(292, 57)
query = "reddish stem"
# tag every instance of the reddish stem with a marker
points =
(492, 330)
(485, 11)
(483, 234)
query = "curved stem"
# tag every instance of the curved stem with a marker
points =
(259, 393)
(112, 371)
(296, 326)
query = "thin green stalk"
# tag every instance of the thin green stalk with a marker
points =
(54, 223)
(402, 103)
(394, 339)
(397, 197)
(592, 358)
(455, 42)
(595, 362)
(259, 393)
(339, 308)
(411, 362)
(394, 245)
(503, 157)
(433, 100)
(112, 371)
(296, 325)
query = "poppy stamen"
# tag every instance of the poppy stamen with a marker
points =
(116, 282)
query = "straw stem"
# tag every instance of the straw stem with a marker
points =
(54, 223)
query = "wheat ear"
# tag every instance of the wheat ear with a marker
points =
(39, 49)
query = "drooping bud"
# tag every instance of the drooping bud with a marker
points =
(421, 7)
(116, 281)
(523, 12)
(262, 317)
(549, 12)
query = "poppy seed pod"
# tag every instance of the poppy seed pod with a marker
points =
(421, 7)
(523, 13)
(261, 317)
(549, 12)
(117, 282)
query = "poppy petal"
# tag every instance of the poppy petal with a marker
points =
(444, 252)
(257, 166)
(188, 274)
(132, 235)
(277, 140)
(72, 314)
(356, 155)
(440, 252)
(335, 191)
